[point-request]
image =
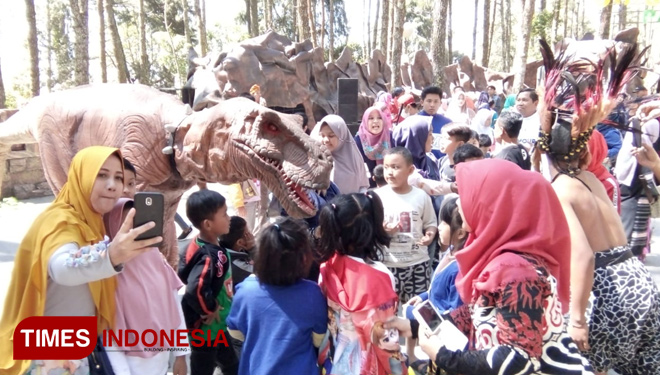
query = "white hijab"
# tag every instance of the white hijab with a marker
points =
(348, 172)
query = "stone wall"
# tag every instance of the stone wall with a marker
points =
(24, 177)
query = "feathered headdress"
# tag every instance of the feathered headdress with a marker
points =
(575, 98)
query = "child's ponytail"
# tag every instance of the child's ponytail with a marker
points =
(352, 224)
(330, 232)
(284, 252)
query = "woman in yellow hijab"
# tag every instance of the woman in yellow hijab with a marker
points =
(65, 266)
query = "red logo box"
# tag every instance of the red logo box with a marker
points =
(55, 337)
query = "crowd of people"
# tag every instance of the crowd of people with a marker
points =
(522, 222)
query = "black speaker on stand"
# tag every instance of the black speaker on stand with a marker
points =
(347, 102)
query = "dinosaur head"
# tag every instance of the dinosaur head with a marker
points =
(238, 140)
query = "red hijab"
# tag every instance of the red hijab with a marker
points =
(509, 209)
(598, 149)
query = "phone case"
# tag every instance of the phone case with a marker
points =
(149, 207)
(422, 318)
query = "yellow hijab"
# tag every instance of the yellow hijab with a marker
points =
(70, 218)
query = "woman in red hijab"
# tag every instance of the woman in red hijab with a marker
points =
(513, 275)
(598, 150)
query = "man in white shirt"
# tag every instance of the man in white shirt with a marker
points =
(526, 103)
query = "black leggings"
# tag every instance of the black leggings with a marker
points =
(204, 359)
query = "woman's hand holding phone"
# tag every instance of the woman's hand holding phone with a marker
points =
(124, 247)
(429, 342)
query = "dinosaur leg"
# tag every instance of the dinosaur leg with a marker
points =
(170, 246)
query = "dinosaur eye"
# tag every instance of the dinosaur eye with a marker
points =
(272, 128)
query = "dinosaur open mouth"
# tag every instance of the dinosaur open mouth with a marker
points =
(296, 192)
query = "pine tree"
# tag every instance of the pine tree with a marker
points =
(79, 15)
(605, 18)
(33, 47)
(438, 40)
(485, 53)
(397, 41)
(522, 45)
(122, 67)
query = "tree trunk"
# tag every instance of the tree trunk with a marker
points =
(507, 50)
(492, 29)
(81, 44)
(49, 40)
(268, 14)
(438, 40)
(391, 33)
(565, 19)
(384, 26)
(144, 58)
(368, 29)
(542, 7)
(397, 42)
(503, 17)
(122, 68)
(311, 17)
(374, 40)
(583, 27)
(200, 13)
(186, 24)
(450, 32)
(248, 16)
(486, 52)
(623, 15)
(303, 21)
(556, 8)
(323, 24)
(605, 17)
(166, 5)
(331, 34)
(254, 16)
(365, 31)
(102, 52)
(522, 45)
(3, 97)
(33, 46)
(576, 19)
(474, 31)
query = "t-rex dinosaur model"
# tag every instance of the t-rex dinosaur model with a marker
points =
(171, 147)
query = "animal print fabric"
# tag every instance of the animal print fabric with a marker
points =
(624, 318)
(516, 330)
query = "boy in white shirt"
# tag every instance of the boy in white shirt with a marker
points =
(411, 222)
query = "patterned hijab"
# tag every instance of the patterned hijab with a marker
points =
(348, 172)
(375, 145)
(70, 218)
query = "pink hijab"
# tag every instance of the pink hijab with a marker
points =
(145, 289)
(375, 145)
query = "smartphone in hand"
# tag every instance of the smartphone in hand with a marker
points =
(428, 316)
(149, 207)
(636, 132)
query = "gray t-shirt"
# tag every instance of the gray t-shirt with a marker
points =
(67, 292)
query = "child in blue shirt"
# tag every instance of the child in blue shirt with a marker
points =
(442, 292)
(280, 316)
